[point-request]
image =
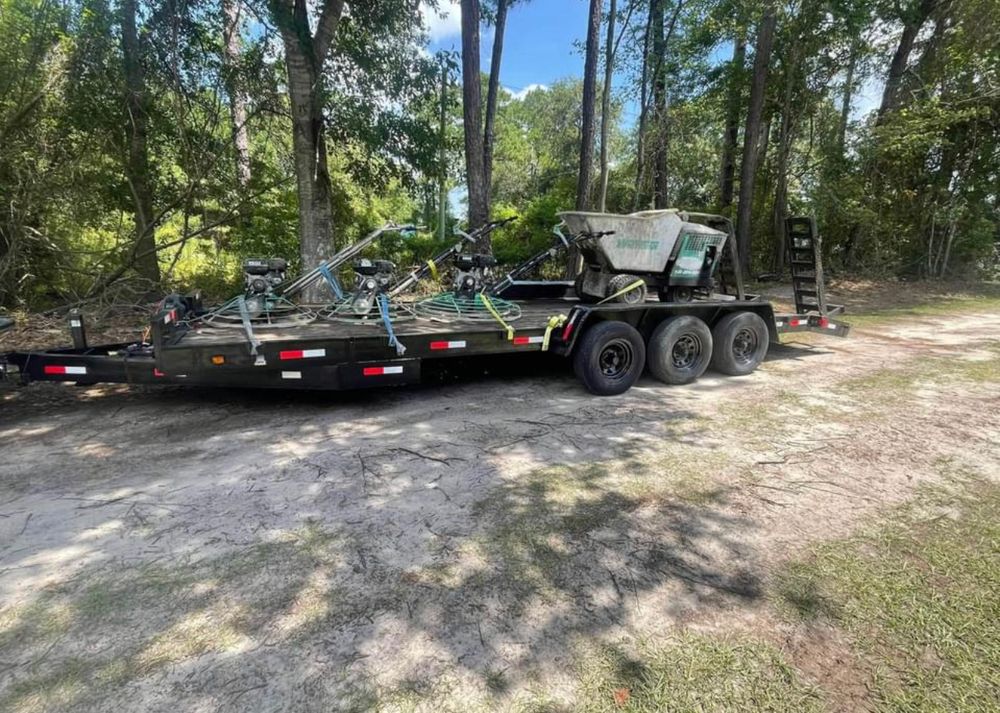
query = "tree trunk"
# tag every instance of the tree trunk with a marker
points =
(845, 105)
(479, 209)
(640, 153)
(137, 165)
(609, 65)
(491, 96)
(443, 156)
(305, 54)
(781, 170)
(659, 106)
(748, 170)
(901, 58)
(732, 131)
(585, 176)
(231, 11)
(588, 111)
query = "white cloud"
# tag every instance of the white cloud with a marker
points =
(523, 91)
(443, 22)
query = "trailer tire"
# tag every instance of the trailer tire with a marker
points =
(680, 350)
(633, 297)
(741, 343)
(609, 358)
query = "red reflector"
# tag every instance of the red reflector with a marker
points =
(291, 354)
(55, 370)
(439, 345)
(567, 331)
(373, 371)
(521, 340)
(157, 372)
(824, 322)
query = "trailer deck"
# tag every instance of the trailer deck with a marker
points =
(341, 355)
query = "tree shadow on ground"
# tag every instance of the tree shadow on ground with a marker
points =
(332, 553)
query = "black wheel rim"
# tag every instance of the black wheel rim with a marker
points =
(686, 351)
(615, 359)
(745, 345)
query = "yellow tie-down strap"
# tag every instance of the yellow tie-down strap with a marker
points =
(555, 321)
(434, 269)
(496, 315)
(622, 291)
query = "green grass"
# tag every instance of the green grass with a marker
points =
(694, 673)
(919, 599)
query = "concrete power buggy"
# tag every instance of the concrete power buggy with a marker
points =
(670, 252)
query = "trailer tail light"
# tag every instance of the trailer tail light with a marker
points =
(301, 354)
(382, 370)
(520, 341)
(57, 370)
(218, 359)
(436, 346)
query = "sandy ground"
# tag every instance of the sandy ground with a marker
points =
(184, 550)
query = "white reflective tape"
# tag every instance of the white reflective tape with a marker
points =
(831, 325)
(457, 345)
(312, 353)
(392, 370)
(75, 370)
(75, 323)
(291, 375)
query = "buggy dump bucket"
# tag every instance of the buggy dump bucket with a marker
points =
(641, 242)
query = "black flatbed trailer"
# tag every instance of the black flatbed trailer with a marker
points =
(608, 343)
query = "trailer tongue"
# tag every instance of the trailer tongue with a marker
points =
(609, 342)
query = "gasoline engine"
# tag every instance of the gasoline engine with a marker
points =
(472, 273)
(373, 277)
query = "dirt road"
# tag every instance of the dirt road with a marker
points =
(184, 550)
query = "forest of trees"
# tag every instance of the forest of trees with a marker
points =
(148, 145)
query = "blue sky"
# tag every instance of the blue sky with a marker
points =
(538, 44)
(541, 45)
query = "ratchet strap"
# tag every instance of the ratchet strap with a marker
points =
(555, 321)
(331, 281)
(383, 308)
(622, 291)
(496, 315)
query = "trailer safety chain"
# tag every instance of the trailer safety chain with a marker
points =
(496, 315)
(619, 293)
(332, 281)
(383, 308)
(555, 321)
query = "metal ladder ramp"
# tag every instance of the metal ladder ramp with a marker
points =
(805, 258)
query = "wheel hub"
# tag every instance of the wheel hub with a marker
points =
(745, 345)
(686, 351)
(615, 359)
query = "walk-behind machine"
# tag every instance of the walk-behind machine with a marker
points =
(377, 333)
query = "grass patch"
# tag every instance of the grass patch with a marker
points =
(918, 597)
(694, 673)
(143, 619)
(535, 522)
(935, 306)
